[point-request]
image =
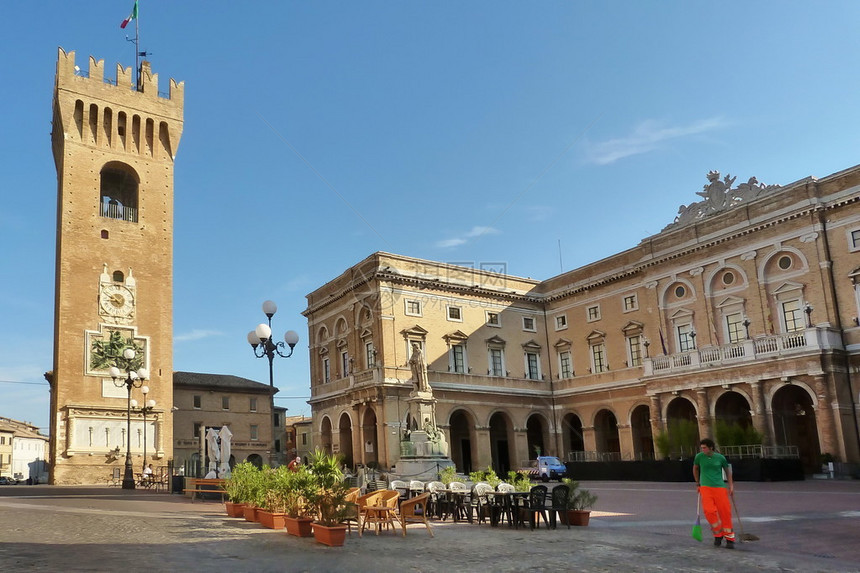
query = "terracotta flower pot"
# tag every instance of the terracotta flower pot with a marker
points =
(299, 526)
(331, 536)
(235, 509)
(578, 516)
(270, 519)
(250, 513)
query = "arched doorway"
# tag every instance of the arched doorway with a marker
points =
(794, 424)
(572, 439)
(462, 426)
(325, 435)
(345, 439)
(733, 422)
(606, 434)
(535, 434)
(640, 426)
(500, 444)
(256, 460)
(370, 448)
(682, 437)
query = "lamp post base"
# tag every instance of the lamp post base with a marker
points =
(128, 477)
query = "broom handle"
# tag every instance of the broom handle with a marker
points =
(734, 505)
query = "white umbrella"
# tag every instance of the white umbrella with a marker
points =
(226, 437)
(212, 440)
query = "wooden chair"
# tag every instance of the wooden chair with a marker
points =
(415, 511)
(382, 511)
(353, 511)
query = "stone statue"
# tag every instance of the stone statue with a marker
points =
(419, 369)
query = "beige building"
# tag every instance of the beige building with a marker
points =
(22, 451)
(215, 400)
(743, 312)
(114, 143)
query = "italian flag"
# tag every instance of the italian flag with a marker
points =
(131, 16)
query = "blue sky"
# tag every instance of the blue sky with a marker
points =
(318, 132)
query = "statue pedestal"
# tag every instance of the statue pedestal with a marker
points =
(426, 462)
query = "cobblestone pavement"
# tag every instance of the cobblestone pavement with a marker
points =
(637, 526)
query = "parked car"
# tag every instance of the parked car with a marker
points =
(8, 481)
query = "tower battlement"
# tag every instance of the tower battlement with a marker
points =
(117, 115)
(69, 75)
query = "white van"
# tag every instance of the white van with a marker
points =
(546, 468)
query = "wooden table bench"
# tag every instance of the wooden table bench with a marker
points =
(203, 485)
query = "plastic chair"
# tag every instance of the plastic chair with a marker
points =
(558, 504)
(534, 507)
(480, 503)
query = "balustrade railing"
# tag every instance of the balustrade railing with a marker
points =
(740, 351)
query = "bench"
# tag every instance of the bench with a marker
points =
(203, 485)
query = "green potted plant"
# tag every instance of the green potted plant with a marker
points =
(487, 476)
(447, 475)
(298, 490)
(520, 480)
(271, 512)
(236, 487)
(256, 493)
(329, 498)
(579, 503)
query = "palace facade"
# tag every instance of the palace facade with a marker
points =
(742, 314)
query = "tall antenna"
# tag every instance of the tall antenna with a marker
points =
(560, 264)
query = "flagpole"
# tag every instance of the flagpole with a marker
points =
(137, 45)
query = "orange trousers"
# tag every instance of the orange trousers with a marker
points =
(718, 511)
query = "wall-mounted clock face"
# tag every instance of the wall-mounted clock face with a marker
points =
(116, 300)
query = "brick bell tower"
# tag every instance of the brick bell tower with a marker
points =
(114, 145)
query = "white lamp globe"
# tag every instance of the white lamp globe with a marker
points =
(150, 403)
(134, 403)
(253, 339)
(144, 374)
(143, 389)
(291, 338)
(270, 308)
(128, 353)
(114, 372)
(263, 332)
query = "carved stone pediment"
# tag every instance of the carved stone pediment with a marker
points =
(563, 343)
(531, 345)
(730, 301)
(496, 341)
(596, 336)
(414, 332)
(456, 336)
(718, 196)
(632, 327)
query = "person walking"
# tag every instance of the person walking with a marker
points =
(708, 466)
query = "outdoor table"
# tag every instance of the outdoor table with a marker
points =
(457, 504)
(379, 515)
(506, 502)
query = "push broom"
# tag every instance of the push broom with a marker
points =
(697, 529)
(744, 536)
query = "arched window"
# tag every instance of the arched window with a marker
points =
(118, 192)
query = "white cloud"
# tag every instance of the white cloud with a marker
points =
(474, 232)
(648, 136)
(447, 243)
(197, 334)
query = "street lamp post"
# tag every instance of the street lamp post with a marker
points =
(261, 337)
(132, 380)
(807, 308)
(147, 408)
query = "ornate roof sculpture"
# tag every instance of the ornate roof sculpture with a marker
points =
(718, 197)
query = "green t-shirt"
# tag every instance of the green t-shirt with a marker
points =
(711, 469)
